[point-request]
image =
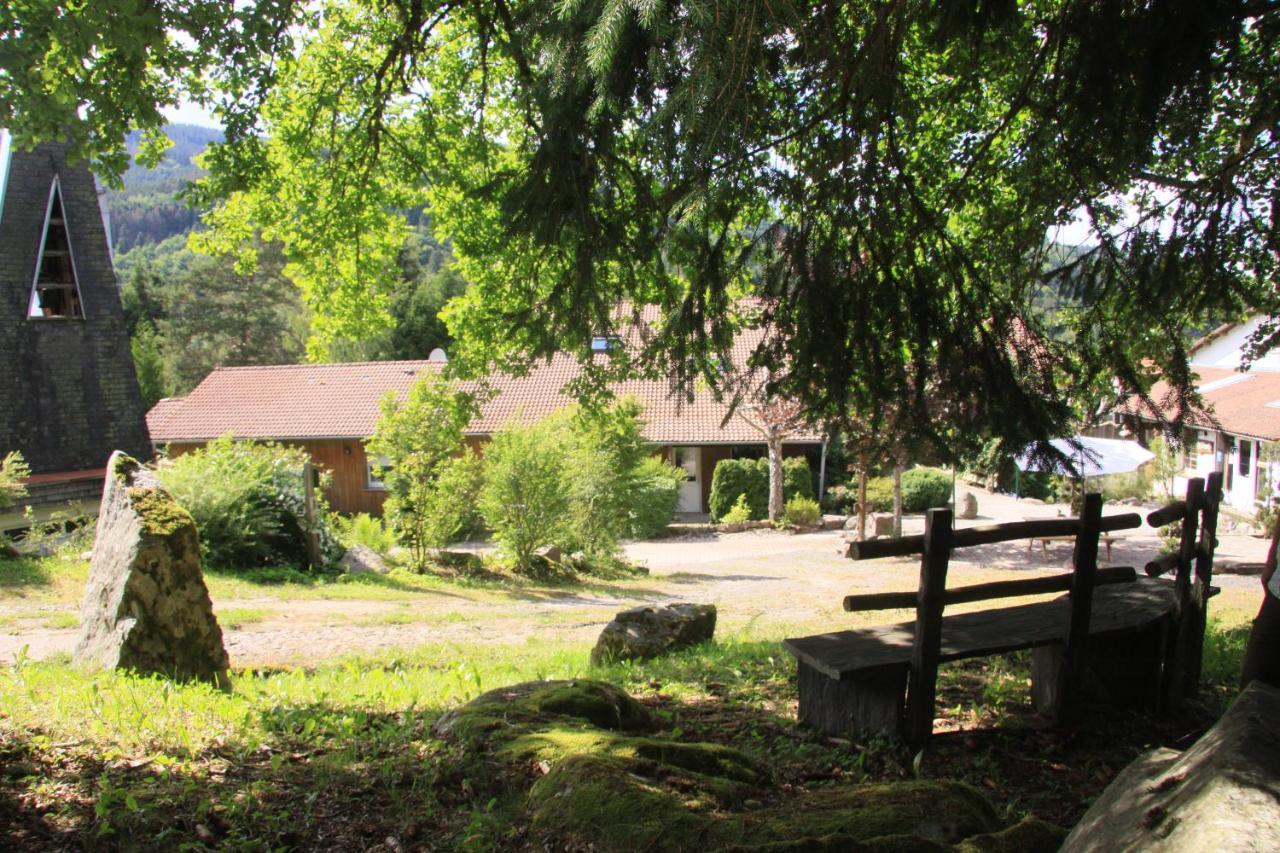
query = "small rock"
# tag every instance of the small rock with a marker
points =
(550, 553)
(968, 506)
(851, 523)
(86, 556)
(361, 559)
(882, 524)
(833, 522)
(646, 632)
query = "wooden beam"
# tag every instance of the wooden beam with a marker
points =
(1161, 565)
(989, 534)
(1180, 653)
(922, 682)
(1167, 514)
(1083, 577)
(986, 591)
(1200, 590)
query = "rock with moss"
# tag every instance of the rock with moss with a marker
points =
(647, 632)
(146, 607)
(600, 777)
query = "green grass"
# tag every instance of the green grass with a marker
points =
(344, 751)
(237, 617)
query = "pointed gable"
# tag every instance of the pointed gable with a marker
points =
(55, 292)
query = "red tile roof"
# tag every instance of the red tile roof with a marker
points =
(1239, 405)
(309, 401)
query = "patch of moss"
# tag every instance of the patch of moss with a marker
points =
(159, 513)
(124, 467)
(1031, 835)
(897, 817)
(940, 811)
(600, 801)
(606, 784)
(598, 703)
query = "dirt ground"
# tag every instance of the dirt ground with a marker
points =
(766, 585)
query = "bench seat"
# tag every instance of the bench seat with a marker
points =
(856, 679)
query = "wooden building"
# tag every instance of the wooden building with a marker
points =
(70, 395)
(330, 409)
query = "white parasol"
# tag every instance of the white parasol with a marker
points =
(1090, 457)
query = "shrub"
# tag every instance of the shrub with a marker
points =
(739, 513)
(797, 479)
(880, 494)
(654, 497)
(523, 499)
(449, 508)
(734, 478)
(1133, 484)
(418, 437)
(364, 529)
(13, 470)
(923, 488)
(802, 512)
(605, 448)
(248, 501)
(840, 499)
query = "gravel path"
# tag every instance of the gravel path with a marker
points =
(766, 584)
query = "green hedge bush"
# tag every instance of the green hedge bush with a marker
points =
(248, 502)
(923, 488)
(879, 495)
(654, 497)
(802, 512)
(750, 477)
(734, 477)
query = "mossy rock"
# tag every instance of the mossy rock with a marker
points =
(158, 513)
(895, 817)
(604, 781)
(1031, 835)
(512, 711)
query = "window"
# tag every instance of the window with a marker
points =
(55, 292)
(1244, 457)
(603, 343)
(376, 470)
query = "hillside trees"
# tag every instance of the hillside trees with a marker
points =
(889, 171)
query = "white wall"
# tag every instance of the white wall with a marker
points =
(1225, 351)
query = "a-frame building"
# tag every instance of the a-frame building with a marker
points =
(68, 392)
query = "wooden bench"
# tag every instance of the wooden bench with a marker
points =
(1118, 636)
(1044, 541)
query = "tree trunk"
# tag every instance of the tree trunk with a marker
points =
(776, 502)
(862, 497)
(897, 499)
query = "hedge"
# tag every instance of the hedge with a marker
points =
(750, 477)
(925, 488)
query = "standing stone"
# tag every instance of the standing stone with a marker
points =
(146, 607)
(646, 632)
(1223, 793)
(968, 505)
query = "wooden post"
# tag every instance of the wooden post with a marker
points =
(1084, 569)
(309, 510)
(922, 683)
(1199, 601)
(1183, 637)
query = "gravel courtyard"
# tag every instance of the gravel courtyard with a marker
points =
(766, 585)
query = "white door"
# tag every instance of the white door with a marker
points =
(690, 459)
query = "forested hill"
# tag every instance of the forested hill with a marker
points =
(188, 314)
(147, 210)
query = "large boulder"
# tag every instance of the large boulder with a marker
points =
(146, 607)
(1223, 793)
(646, 632)
(968, 506)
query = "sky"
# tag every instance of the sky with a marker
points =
(188, 113)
